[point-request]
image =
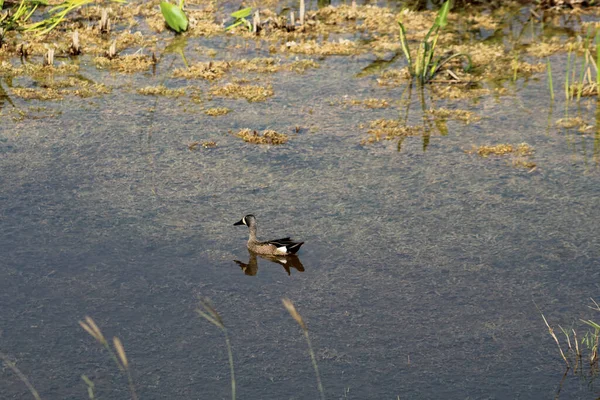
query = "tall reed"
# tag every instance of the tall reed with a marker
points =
(21, 375)
(118, 354)
(298, 318)
(209, 313)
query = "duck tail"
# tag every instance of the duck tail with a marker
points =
(293, 249)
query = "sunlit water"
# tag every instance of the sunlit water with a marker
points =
(422, 269)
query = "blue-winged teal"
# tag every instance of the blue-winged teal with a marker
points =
(278, 247)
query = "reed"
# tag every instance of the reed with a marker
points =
(118, 354)
(208, 312)
(550, 82)
(424, 66)
(289, 306)
(21, 375)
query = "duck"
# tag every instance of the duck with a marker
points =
(277, 247)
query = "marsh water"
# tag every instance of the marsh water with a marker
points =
(423, 265)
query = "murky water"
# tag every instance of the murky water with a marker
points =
(422, 269)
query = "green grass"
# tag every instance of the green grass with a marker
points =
(424, 65)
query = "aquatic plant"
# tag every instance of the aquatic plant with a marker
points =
(174, 16)
(590, 342)
(19, 15)
(20, 374)
(424, 66)
(209, 313)
(57, 14)
(240, 18)
(118, 354)
(289, 306)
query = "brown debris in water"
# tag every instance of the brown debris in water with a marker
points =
(161, 90)
(368, 103)
(217, 111)
(574, 122)
(388, 129)
(522, 149)
(211, 70)
(57, 90)
(459, 115)
(252, 93)
(267, 137)
(127, 64)
(207, 145)
(312, 47)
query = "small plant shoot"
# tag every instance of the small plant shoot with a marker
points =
(174, 16)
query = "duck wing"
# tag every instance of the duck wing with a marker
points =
(291, 246)
(281, 242)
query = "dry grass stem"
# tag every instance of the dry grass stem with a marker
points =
(90, 327)
(21, 376)
(120, 352)
(289, 306)
(209, 313)
(551, 331)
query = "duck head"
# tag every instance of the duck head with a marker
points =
(248, 220)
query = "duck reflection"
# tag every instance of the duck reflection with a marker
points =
(287, 262)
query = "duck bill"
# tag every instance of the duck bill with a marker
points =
(240, 222)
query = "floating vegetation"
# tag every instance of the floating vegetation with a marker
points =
(584, 90)
(300, 66)
(389, 129)
(368, 103)
(161, 90)
(207, 145)
(217, 111)
(56, 91)
(522, 149)
(458, 115)
(252, 93)
(523, 163)
(574, 122)
(267, 137)
(343, 47)
(262, 65)
(545, 49)
(127, 64)
(7, 69)
(211, 70)
(393, 77)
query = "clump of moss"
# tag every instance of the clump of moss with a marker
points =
(389, 129)
(161, 90)
(585, 90)
(522, 150)
(262, 65)
(211, 70)
(368, 103)
(523, 163)
(38, 94)
(127, 64)
(458, 115)
(574, 122)
(342, 47)
(300, 66)
(252, 93)
(207, 145)
(217, 111)
(57, 90)
(393, 77)
(7, 69)
(267, 137)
